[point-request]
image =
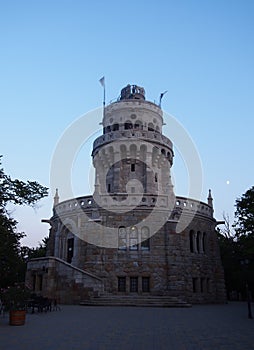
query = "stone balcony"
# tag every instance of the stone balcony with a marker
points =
(87, 203)
(124, 135)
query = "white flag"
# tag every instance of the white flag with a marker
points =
(102, 81)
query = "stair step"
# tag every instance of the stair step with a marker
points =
(151, 301)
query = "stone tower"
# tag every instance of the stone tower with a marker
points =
(132, 156)
(124, 239)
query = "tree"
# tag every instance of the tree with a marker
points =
(237, 246)
(19, 193)
(37, 252)
(245, 214)
(244, 225)
(230, 256)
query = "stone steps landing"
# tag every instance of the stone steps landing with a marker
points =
(142, 301)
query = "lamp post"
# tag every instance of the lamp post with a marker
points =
(245, 263)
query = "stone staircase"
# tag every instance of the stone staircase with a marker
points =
(63, 281)
(135, 300)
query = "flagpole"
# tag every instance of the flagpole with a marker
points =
(104, 95)
(102, 82)
(104, 99)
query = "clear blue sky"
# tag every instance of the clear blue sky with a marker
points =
(54, 52)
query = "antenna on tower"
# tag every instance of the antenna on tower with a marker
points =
(161, 95)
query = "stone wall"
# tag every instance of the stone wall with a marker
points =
(56, 279)
(173, 269)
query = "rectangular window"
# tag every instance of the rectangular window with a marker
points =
(194, 285)
(121, 284)
(208, 285)
(109, 188)
(133, 284)
(202, 285)
(145, 284)
(132, 167)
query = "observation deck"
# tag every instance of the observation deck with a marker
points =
(87, 203)
(135, 135)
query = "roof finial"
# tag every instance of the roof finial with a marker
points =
(56, 198)
(210, 199)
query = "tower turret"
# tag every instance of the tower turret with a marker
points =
(210, 199)
(56, 198)
(132, 156)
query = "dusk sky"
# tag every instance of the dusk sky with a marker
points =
(53, 54)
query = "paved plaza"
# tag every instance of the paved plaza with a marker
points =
(133, 328)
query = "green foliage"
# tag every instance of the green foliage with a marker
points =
(39, 251)
(244, 214)
(230, 260)
(238, 246)
(15, 297)
(19, 192)
(12, 264)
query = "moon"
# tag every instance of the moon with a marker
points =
(228, 182)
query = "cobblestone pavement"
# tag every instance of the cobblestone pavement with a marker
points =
(202, 327)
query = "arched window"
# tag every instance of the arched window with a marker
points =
(123, 151)
(150, 127)
(70, 249)
(67, 244)
(122, 238)
(191, 241)
(145, 239)
(155, 154)
(133, 238)
(143, 152)
(133, 151)
(198, 241)
(204, 242)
